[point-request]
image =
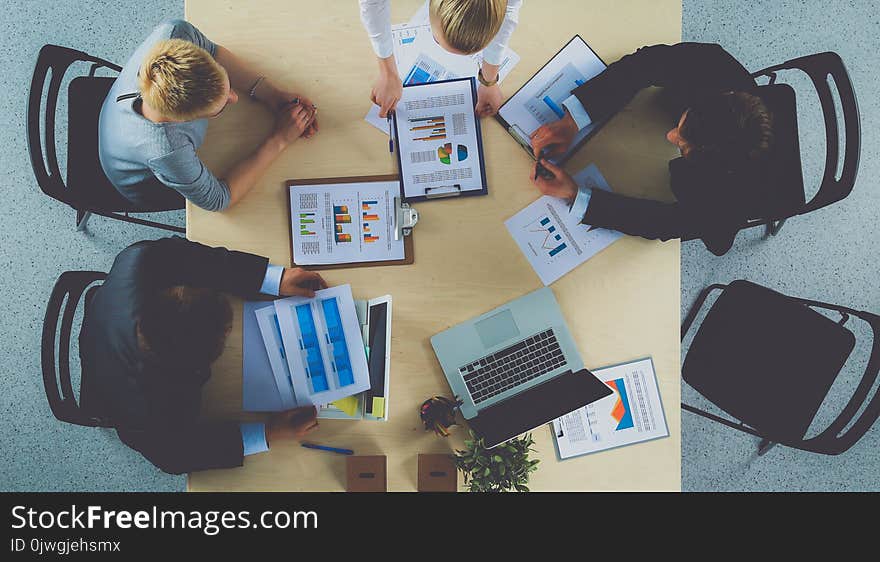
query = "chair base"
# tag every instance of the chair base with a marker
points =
(773, 227)
(764, 447)
(82, 220)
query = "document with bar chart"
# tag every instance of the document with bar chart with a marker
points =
(539, 101)
(552, 240)
(438, 140)
(344, 223)
(323, 346)
(633, 413)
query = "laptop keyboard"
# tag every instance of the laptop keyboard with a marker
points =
(529, 359)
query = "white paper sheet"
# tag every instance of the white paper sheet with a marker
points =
(539, 102)
(344, 223)
(552, 240)
(323, 345)
(269, 329)
(632, 414)
(437, 138)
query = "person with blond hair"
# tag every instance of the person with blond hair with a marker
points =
(156, 116)
(462, 27)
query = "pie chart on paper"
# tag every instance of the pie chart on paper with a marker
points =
(462, 153)
(444, 153)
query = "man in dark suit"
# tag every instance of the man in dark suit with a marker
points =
(723, 132)
(148, 339)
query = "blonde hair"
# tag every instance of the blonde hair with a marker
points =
(181, 80)
(469, 25)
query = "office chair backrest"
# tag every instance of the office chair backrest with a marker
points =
(55, 60)
(68, 291)
(820, 67)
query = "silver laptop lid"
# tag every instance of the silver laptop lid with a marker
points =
(490, 333)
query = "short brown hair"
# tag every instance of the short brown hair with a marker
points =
(733, 128)
(469, 25)
(185, 326)
(180, 79)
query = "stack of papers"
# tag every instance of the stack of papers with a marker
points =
(300, 351)
(421, 60)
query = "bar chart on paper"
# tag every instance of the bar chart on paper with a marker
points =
(348, 223)
(548, 236)
(552, 240)
(546, 105)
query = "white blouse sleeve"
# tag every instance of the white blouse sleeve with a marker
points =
(495, 50)
(376, 17)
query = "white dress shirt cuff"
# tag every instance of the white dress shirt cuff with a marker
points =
(581, 203)
(576, 110)
(253, 438)
(272, 280)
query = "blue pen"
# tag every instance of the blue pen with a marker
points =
(330, 449)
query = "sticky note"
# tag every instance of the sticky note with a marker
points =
(379, 407)
(349, 405)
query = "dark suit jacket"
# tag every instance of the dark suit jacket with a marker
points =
(711, 202)
(155, 405)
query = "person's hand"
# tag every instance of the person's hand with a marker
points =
(292, 424)
(489, 99)
(561, 185)
(293, 121)
(555, 137)
(280, 99)
(296, 281)
(388, 88)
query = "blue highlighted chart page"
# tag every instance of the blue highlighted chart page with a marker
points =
(323, 346)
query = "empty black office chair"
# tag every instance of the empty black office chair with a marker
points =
(769, 360)
(68, 291)
(87, 189)
(784, 173)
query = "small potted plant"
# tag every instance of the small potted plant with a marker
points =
(504, 468)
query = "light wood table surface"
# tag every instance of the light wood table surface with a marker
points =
(621, 305)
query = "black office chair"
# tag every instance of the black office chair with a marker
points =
(87, 189)
(769, 360)
(785, 183)
(68, 291)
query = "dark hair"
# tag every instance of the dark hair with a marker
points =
(186, 326)
(730, 129)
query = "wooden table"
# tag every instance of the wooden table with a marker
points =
(622, 304)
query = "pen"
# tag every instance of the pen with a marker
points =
(390, 138)
(539, 168)
(329, 449)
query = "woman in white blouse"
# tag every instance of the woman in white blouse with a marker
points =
(462, 27)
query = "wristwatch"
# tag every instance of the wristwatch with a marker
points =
(483, 80)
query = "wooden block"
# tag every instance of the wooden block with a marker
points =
(437, 473)
(366, 473)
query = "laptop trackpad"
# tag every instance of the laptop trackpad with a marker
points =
(497, 328)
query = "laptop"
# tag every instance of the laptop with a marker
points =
(516, 368)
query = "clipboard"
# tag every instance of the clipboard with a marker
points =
(450, 190)
(408, 246)
(521, 137)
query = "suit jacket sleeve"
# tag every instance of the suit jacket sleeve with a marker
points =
(687, 67)
(177, 261)
(714, 220)
(189, 448)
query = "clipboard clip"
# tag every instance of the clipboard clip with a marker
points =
(522, 138)
(405, 218)
(439, 191)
